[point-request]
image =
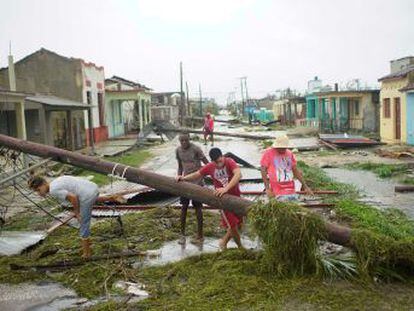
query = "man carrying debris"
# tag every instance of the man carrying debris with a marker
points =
(226, 176)
(208, 128)
(189, 158)
(278, 168)
(81, 193)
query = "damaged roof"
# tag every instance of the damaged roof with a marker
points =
(398, 74)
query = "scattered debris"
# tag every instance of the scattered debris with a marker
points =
(348, 141)
(135, 289)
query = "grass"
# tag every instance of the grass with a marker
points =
(133, 158)
(232, 280)
(380, 169)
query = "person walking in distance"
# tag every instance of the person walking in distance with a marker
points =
(208, 128)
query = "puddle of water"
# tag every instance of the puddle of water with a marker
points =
(14, 242)
(49, 296)
(29, 296)
(173, 252)
(378, 192)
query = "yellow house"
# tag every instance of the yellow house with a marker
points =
(393, 116)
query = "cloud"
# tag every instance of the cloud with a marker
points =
(195, 12)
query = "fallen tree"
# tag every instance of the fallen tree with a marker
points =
(334, 233)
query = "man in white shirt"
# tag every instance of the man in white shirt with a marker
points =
(81, 193)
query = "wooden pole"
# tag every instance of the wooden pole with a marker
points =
(335, 233)
(192, 131)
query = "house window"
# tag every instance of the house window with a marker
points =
(120, 112)
(89, 97)
(356, 108)
(101, 109)
(386, 108)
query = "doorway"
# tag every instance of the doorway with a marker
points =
(397, 111)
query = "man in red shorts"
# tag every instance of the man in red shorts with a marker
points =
(226, 176)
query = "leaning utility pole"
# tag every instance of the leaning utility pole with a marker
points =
(334, 233)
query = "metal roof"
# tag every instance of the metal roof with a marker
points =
(57, 102)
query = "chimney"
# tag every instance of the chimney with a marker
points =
(336, 87)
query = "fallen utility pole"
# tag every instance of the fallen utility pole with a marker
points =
(215, 120)
(404, 188)
(192, 131)
(76, 263)
(335, 233)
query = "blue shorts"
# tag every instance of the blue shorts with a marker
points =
(86, 214)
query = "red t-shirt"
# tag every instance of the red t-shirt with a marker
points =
(222, 176)
(280, 170)
(209, 124)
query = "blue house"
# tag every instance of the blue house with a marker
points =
(409, 92)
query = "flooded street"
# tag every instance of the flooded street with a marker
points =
(376, 192)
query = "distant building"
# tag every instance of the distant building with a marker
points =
(397, 102)
(166, 107)
(127, 106)
(48, 73)
(290, 111)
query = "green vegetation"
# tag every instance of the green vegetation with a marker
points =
(232, 280)
(290, 238)
(133, 158)
(380, 169)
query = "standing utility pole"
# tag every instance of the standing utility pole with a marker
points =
(242, 95)
(189, 112)
(247, 93)
(201, 100)
(182, 104)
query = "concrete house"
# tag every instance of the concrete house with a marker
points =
(290, 111)
(397, 102)
(348, 110)
(166, 106)
(74, 80)
(333, 110)
(127, 106)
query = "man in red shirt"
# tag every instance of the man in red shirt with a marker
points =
(208, 128)
(226, 176)
(278, 168)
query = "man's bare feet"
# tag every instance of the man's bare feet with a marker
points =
(197, 240)
(182, 240)
(222, 245)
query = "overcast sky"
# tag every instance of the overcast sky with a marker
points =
(275, 43)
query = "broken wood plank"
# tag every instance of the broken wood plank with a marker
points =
(58, 223)
(335, 233)
(329, 145)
